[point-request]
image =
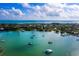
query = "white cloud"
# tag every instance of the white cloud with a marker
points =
(3, 12)
(56, 10)
(12, 13)
(48, 11)
(26, 5)
(17, 12)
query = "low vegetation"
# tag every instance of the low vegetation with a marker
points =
(57, 27)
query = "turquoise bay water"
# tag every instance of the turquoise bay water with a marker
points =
(16, 43)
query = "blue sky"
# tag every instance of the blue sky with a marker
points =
(39, 11)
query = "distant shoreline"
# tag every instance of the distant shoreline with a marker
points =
(57, 27)
(36, 21)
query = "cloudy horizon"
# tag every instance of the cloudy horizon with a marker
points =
(39, 11)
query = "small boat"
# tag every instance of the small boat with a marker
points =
(1, 29)
(48, 51)
(30, 43)
(43, 35)
(64, 34)
(2, 40)
(50, 42)
(77, 39)
(32, 37)
(22, 30)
